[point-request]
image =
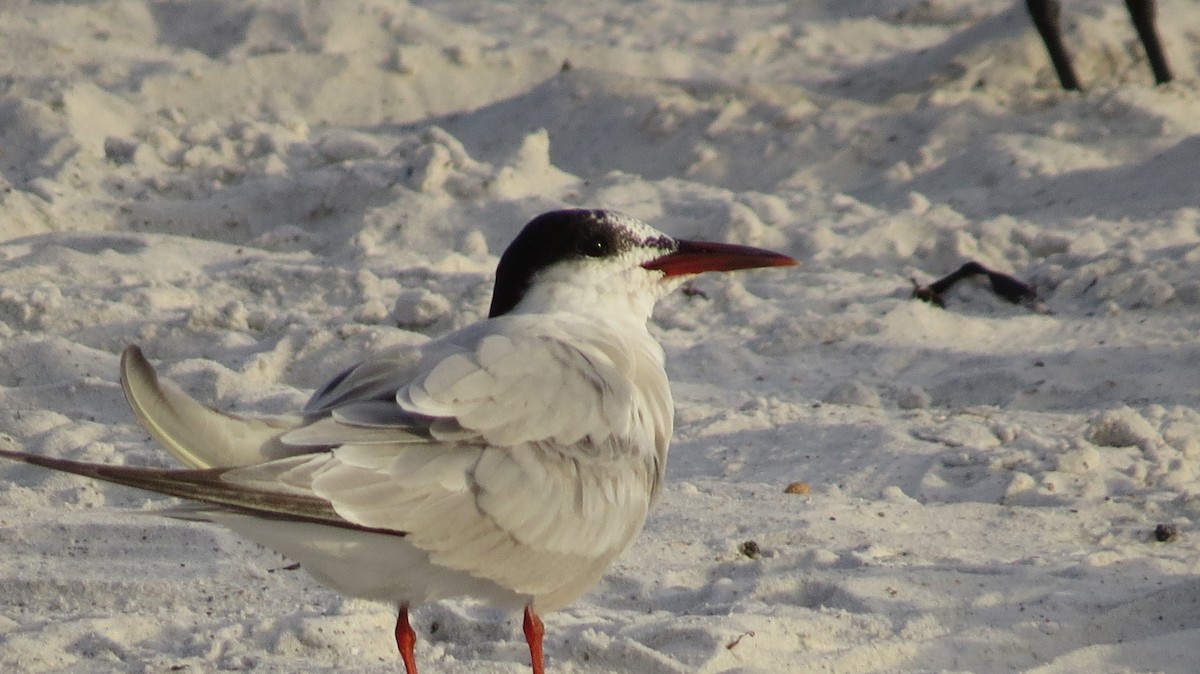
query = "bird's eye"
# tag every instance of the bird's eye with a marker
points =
(595, 247)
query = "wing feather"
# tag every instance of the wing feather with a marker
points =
(376, 378)
(328, 432)
(196, 434)
(375, 414)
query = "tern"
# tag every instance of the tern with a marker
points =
(509, 461)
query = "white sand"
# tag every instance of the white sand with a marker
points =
(285, 187)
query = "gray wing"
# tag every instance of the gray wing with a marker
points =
(376, 378)
(535, 465)
(501, 382)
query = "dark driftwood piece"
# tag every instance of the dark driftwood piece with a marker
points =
(1008, 287)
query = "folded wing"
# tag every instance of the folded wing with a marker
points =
(535, 466)
(508, 452)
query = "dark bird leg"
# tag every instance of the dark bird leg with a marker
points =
(1143, 12)
(1045, 14)
(534, 629)
(406, 640)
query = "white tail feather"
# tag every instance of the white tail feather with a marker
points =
(200, 436)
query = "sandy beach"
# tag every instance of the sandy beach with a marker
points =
(261, 193)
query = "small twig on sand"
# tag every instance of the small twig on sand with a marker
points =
(733, 644)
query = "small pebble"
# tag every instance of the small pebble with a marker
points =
(797, 488)
(1166, 533)
(750, 549)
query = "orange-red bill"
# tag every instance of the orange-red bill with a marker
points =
(693, 257)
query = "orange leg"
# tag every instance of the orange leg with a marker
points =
(406, 640)
(534, 629)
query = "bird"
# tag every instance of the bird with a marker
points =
(509, 461)
(1046, 15)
